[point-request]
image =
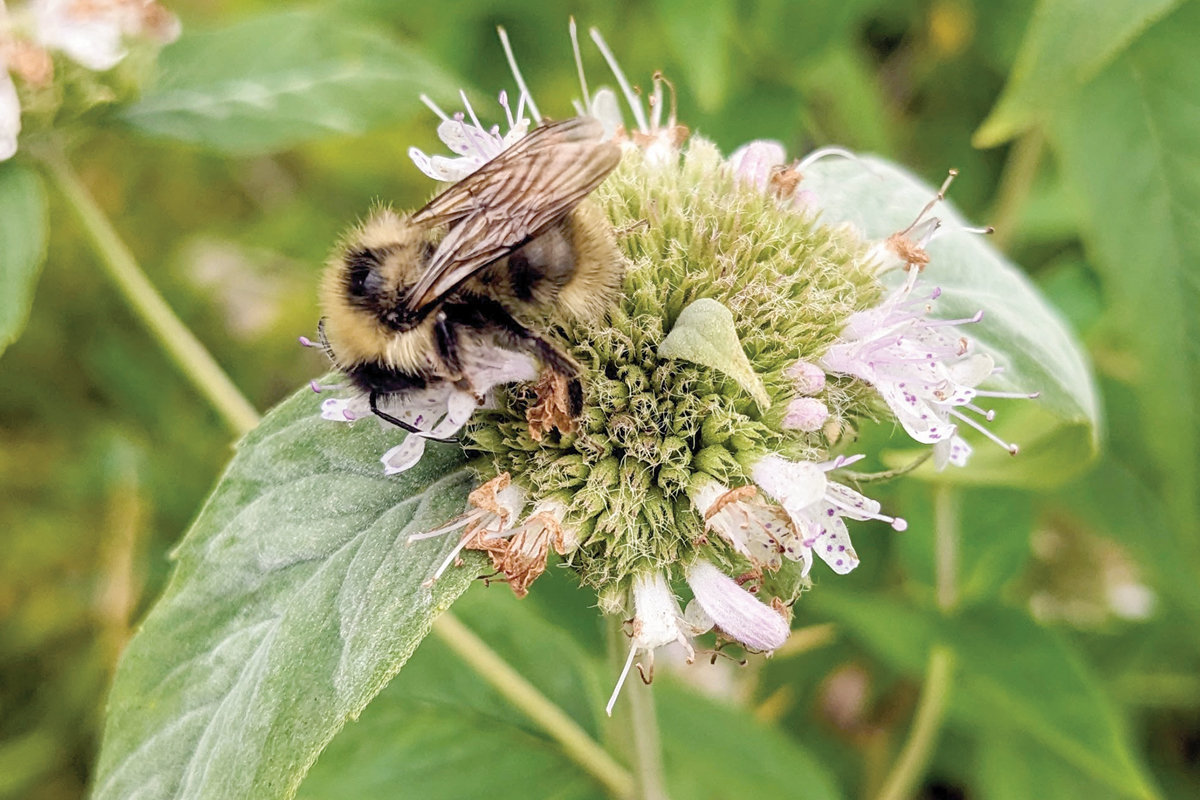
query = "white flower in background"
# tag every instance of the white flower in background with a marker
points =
(91, 33)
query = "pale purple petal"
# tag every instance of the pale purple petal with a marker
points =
(753, 162)
(806, 414)
(734, 610)
(808, 378)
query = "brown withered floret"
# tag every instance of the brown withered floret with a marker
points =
(552, 409)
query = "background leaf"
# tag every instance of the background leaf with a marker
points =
(1059, 431)
(1128, 144)
(1067, 43)
(1011, 767)
(439, 731)
(272, 81)
(293, 602)
(696, 35)
(24, 227)
(1011, 673)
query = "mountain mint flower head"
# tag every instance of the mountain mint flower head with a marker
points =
(705, 470)
(93, 34)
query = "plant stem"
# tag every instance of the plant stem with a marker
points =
(946, 535)
(189, 355)
(575, 742)
(637, 718)
(1020, 170)
(935, 693)
(647, 746)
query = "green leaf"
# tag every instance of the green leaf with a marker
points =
(24, 227)
(696, 35)
(993, 545)
(273, 81)
(1018, 673)
(1067, 44)
(1128, 143)
(1058, 432)
(1013, 672)
(705, 334)
(441, 730)
(294, 600)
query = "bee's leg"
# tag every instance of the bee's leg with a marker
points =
(575, 397)
(399, 423)
(447, 344)
(530, 341)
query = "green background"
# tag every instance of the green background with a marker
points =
(1076, 128)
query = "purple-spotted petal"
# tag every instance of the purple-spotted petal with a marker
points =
(833, 546)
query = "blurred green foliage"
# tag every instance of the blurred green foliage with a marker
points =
(106, 453)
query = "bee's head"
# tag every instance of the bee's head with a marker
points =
(381, 265)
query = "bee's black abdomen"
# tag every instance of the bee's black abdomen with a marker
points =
(371, 376)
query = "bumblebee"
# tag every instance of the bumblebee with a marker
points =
(417, 299)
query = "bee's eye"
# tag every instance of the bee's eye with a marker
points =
(362, 277)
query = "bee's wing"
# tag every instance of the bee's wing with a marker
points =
(510, 200)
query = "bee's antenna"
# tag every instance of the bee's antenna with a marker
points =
(587, 98)
(516, 71)
(631, 97)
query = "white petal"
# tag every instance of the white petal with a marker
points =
(734, 610)
(954, 450)
(920, 419)
(796, 485)
(972, 371)
(338, 409)
(656, 612)
(497, 366)
(696, 619)
(607, 109)
(10, 114)
(512, 499)
(852, 504)
(404, 455)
